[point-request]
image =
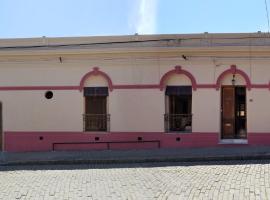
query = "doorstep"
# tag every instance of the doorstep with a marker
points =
(233, 141)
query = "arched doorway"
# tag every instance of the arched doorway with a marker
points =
(234, 84)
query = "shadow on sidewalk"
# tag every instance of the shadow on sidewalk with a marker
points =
(82, 166)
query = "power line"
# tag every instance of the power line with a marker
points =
(267, 14)
(127, 42)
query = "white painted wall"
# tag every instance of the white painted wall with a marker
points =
(137, 110)
(130, 109)
(258, 113)
(31, 111)
(95, 81)
(206, 110)
(178, 79)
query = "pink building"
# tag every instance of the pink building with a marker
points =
(134, 92)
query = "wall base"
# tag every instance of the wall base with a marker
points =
(15, 141)
(49, 141)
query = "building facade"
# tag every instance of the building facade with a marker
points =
(134, 92)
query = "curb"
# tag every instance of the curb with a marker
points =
(139, 160)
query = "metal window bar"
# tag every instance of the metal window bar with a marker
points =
(178, 122)
(96, 122)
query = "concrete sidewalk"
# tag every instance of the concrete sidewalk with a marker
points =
(136, 156)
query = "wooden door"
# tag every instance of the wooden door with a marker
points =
(1, 128)
(228, 112)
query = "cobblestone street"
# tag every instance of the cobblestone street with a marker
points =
(206, 180)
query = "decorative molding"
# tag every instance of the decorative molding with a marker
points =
(206, 86)
(8, 88)
(233, 70)
(149, 86)
(178, 70)
(96, 72)
(93, 133)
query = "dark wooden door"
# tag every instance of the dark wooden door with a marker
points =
(228, 112)
(1, 128)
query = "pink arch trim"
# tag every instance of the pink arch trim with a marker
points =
(96, 72)
(233, 70)
(177, 70)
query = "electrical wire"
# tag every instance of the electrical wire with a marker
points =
(267, 14)
(171, 58)
(124, 42)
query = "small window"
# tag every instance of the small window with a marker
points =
(178, 117)
(96, 117)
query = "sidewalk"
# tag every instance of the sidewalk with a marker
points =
(136, 156)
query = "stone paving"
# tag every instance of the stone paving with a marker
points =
(205, 180)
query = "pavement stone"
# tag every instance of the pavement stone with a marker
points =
(236, 173)
(177, 180)
(174, 180)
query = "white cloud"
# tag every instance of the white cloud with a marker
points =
(143, 17)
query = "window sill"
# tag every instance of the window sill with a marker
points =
(233, 141)
(96, 132)
(177, 132)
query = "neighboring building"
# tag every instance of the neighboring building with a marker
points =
(126, 92)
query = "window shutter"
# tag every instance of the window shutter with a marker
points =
(96, 91)
(178, 90)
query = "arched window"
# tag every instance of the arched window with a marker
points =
(178, 86)
(96, 86)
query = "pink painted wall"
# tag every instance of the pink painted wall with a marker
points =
(259, 139)
(32, 141)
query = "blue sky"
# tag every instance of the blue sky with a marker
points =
(56, 18)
